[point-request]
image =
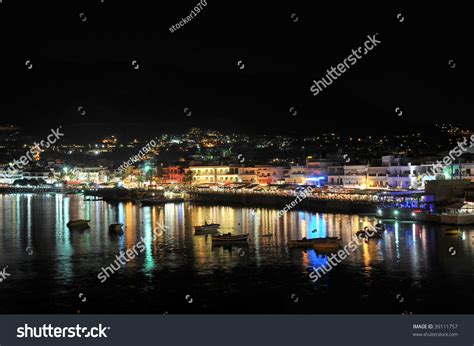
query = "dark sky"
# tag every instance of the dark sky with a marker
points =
(89, 64)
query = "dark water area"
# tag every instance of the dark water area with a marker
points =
(415, 268)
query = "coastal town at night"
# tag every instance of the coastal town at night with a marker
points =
(182, 173)
(204, 193)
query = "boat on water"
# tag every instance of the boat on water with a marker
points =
(78, 223)
(116, 228)
(366, 233)
(452, 231)
(230, 238)
(317, 242)
(207, 227)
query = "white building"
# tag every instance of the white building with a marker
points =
(270, 174)
(403, 177)
(214, 174)
(94, 175)
(46, 176)
(389, 175)
(248, 174)
(6, 178)
(296, 175)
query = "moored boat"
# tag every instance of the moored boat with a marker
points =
(365, 234)
(229, 237)
(78, 223)
(209, 227)
(116, 228)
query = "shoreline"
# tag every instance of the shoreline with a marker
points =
(272, 201)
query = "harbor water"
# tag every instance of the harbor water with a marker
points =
(415, 268)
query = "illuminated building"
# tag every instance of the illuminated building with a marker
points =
(173, 174)
(269, 174)
(248, 174)
(214, 174)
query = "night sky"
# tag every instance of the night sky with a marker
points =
(88, 63)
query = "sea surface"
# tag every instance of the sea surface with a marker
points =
(414, 269)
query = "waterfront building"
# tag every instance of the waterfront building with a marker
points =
(39, 175)
(319, 167)
(391, 174)
(402, 177)
(466, 171)
(335, 176)
(353, 176)
(296, 175)
(248, 174)
(8, 177)
(378, 177)
(94, 175)
(173, 174)
(270, 174)
(214, 174)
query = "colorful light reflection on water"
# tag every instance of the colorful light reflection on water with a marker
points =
(254, 277)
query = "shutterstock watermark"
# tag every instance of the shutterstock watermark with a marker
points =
(3, 274)
(17, 165)
(453, 154)
(128, 255)
(302, 195)
(48, 331)
(332, 74)
(193, 13)
(139, 156)
(342, 254)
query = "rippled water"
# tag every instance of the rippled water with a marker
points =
(415, 268)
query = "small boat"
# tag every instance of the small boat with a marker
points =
(365, 234)
(229, 237)
(116, 228)
(78, 223)
(317, 242)
(453, 231)
(207, 227)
